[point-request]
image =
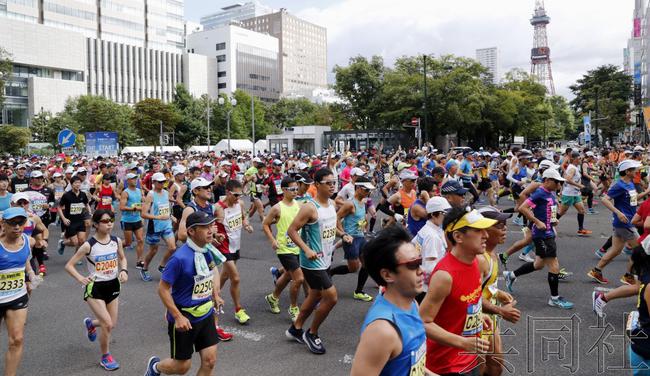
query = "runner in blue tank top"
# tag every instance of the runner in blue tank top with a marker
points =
(131, 207)
(393, 340)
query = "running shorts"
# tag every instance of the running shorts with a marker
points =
(132, 226)
(103, 290)
(202, 335)
(545, 247)
(14, 305)
(317, 279)
(289, 262)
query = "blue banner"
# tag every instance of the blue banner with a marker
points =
(101, 143)
(586, 120)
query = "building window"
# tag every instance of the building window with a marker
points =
(221, 74)
(221, 58)
(221, 46)
(221, 85)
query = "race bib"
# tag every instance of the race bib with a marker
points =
(259, 188)
(58, 195)
(473, 320)
(202, 287)
(418, 361)
(21, 187)
(278, 188)
(386, 178)
(235, 222)
(11, 283)
(290, 243)
(553, 213)
(137, 206)
(163, 209)
(362, 224)
(106, 265)
(633, 197)
(107, 201)
(77, 208)
(328, 236)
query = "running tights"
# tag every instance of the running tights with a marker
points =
(581, 221)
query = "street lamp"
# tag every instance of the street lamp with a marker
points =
(233, 102)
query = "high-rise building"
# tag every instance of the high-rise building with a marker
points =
(303, 51)
(489, 58)
(245, 60)
(234, 12)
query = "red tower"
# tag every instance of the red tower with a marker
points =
(540, 54)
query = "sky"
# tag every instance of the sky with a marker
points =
(582, 35)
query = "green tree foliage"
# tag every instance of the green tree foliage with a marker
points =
(605, 92)
(147, 116)
(191, 129)
(13, 139)
(6, 67)
(360, 85)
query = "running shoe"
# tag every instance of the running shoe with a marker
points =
(294, 334)
(627, 279)
(150, 370)
(313, 342)
(161, 268)
(91, 332)
(294, 312)
(584, 232)
(61, 247)
(598, 277)
(560, 302)
(526, 258)
(600, 253)
(223, 335)
(274, 303)
(139, 265)
(362, 296)
(563, 274)
(504, 260)
(275, 273)
(42, 270)
(627, 251)
(144, 274)
(241, 316)
(592, 212)
(518, 221)
(510, 279)
(598, 303)
(108, 363)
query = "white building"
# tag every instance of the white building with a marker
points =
(245, 60)
(489, 58)
(308, 138)
(234, 12)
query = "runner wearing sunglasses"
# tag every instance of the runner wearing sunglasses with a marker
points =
(107, 270)
(15, 250)
(231, 217)
(393, 340)
(452, 308)
(73, 209)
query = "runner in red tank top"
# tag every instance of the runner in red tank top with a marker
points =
(452, 308)
(105, 195)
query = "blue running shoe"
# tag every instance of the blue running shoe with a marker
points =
(61, 248)
(560, 302)
(599, 253)
(627, 251)
(150, 370)
(90, 328)
(108, 363)
(144, 274)
(161, 268)
(529, 248)
(275, 273)
(518, 221)
(510, 279)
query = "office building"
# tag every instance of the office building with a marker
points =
(303, 51)
(234, 12)
(245, 60)
(489, 58)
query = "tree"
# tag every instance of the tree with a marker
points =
(6, 67)
(147, 117)
(13, 139)
(290, 112)
(606, 93)
(191, 129)
(562, 126)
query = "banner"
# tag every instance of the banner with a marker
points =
(586, 121)
(101, 143)
(646, 116)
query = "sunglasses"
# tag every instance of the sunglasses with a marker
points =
(331, 183)
(16, 222)
(412, 264)
(236, 194)
(107, 220)
(292, 189)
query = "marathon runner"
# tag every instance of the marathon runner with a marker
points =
(20, 182)
(571, 192)
(131, 207)
(73, 210)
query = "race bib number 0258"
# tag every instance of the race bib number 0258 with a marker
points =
(202, 287)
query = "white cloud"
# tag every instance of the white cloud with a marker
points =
(582, 35)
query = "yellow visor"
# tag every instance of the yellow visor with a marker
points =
(473, 219)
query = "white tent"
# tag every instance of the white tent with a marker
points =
(261, 145)
(239, 145)
(149, 149)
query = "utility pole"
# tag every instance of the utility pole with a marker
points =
(208, 125)
(426, 124)
(253, 121)
(161, 136)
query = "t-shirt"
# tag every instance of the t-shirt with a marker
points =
(74, 207)
(643, 211)
(347, 192)
(544, 206)
(625, 199)
(19, 184)
(466, 168)
(430, 242)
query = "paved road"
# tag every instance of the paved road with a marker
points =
(56, 343)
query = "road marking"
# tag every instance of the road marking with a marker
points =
(252, 336)
(347, 359)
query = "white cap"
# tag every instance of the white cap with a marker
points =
(591, 153)
(81, 169)
(628, 164)
(638, 148)
(207, 164)
(302, 166)
(257, 160)
(57, 175)
(19, 196)
(357, 172)
(199, 182)
(223, 174)
(495, 155)
(365, 184)
(36, 174)
(277, 162)
(20, 166)
(69, 170)
(179, 170)
(547, 164)
(407, 175)
(225, 163)
(131, 175)
(437, 204)
(552, 173)
(158, 176)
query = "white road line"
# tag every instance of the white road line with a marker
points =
(238, 333)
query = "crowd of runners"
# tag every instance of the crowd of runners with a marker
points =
(426, 226)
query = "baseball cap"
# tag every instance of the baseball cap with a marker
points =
(362, 181)
(225, 163)
(407, 175)
(257, 160)
(158, 176)
(19, 196)
(179, 170)
(21, 167)
(302, 166)
(402, 166)
(304, 178)
(207, 164)
(552, 173)
(493, 213)
(57, 175)
(357, 172)
(472, 219)
(199, 182)
(199, 218)
(277, 162)
(547, 164)
(452, 187)
(13, 213)
(131, 175)
(36, 174)
(628, 164)
(437, 204)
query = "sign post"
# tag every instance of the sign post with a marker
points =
(66, 138)
(415, 122)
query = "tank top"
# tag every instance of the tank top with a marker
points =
(29, 227)
(410, 328)
(521, 174)
(5, 202)
(105, 198)
(209, 209)
(412, 224)
(320, 236)
(490, 288)
(406, 200)
(460, 313)
(287, 214)
(12, 271)
(232, 224)
(187, 196)
(133, 200)
(160, 206)
(568, 189)
(354, 224)
(102, 260)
